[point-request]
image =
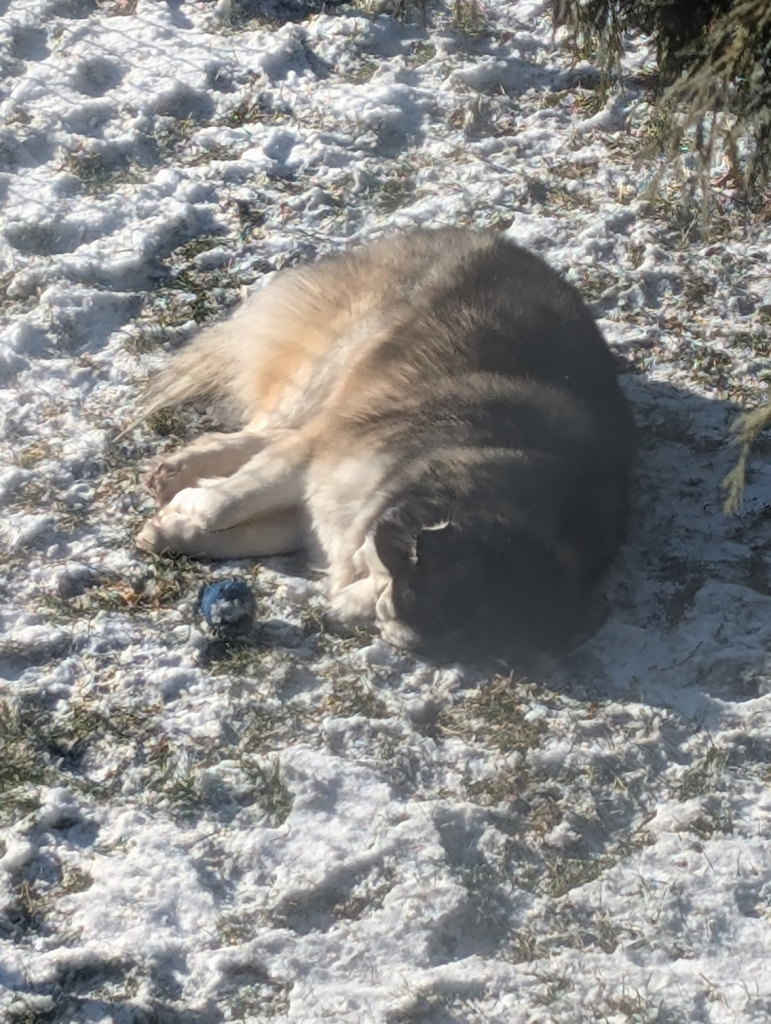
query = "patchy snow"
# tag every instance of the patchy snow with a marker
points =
(310, 827)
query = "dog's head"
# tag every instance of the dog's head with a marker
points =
(474, 590)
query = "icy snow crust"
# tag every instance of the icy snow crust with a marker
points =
(312, 828)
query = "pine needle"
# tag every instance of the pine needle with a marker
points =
(745, 431)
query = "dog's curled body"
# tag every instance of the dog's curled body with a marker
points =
(439, 414)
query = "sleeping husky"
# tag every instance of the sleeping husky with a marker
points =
(438, 416)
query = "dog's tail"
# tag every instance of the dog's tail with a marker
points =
(205, 370)
(202, 370)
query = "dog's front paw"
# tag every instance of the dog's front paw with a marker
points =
(171, 533)
(152, 537)
(355, 604)
(397, 634)
(167, 477)
(200, 505)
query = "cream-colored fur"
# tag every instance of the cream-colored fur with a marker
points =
(288, 354)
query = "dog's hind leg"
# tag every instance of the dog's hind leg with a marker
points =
(208, 456)
(275, 534)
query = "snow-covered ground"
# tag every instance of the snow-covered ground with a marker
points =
(309, 828)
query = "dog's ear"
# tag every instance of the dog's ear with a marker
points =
(435, 539)
(395, 542)
(401, 543)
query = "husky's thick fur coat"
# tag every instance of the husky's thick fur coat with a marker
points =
(436, 412)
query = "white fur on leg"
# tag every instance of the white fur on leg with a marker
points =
(199, 505)
(345, 496)
(220, 454)
(370, 597)
(272, 480)
(273, 535)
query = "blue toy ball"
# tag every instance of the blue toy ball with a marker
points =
(228, 606)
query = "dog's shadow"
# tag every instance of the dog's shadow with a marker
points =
(689, 601)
